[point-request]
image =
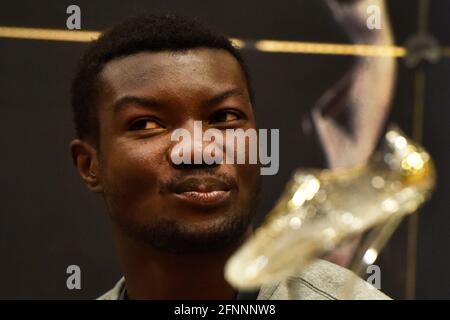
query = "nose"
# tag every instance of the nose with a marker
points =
(188, 148)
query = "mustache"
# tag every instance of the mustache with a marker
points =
(171, 184)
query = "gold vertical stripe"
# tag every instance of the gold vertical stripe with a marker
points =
(411, 261)
(419, 105)
(413, 221)
(418, 115)
(422, 21)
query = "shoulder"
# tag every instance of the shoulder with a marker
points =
(115, 292)
(321, 280)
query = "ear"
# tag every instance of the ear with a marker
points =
(85, 159)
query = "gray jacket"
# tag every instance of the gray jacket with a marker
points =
(322, 280)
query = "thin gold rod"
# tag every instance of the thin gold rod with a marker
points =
(418, 115)
(62, 35)
(263, 45)
(411, 259)
(48, 34)
(329, 48)
(419, 105)
(422, 18)
(413, 221)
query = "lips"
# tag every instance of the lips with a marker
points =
(195, 184)
(206, 191)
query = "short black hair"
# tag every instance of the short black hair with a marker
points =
(138, 33)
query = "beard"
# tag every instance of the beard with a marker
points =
(178, 237)
(172, 236)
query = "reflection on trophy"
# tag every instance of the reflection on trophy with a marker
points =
(323, 209)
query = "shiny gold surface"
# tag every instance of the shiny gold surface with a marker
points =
(321, 209)
(48, 34)
(329, 48)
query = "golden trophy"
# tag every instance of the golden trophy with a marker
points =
(323, 209)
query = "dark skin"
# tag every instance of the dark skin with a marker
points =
(170, 247)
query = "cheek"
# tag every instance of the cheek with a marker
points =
(249, 179)
(132, 172)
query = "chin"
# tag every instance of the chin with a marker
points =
(190, 233)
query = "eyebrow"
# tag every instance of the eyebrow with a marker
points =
(150, 102)
(147, 102)
(225, 95)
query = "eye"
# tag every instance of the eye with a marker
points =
(225, 116)
(144, 124)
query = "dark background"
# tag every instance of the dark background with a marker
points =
(48, 220)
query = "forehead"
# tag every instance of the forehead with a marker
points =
(173, 72)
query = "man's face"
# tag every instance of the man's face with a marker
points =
(144, 98)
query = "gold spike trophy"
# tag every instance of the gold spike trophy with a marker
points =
(322, 209)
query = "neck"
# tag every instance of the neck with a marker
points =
(152, 274)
